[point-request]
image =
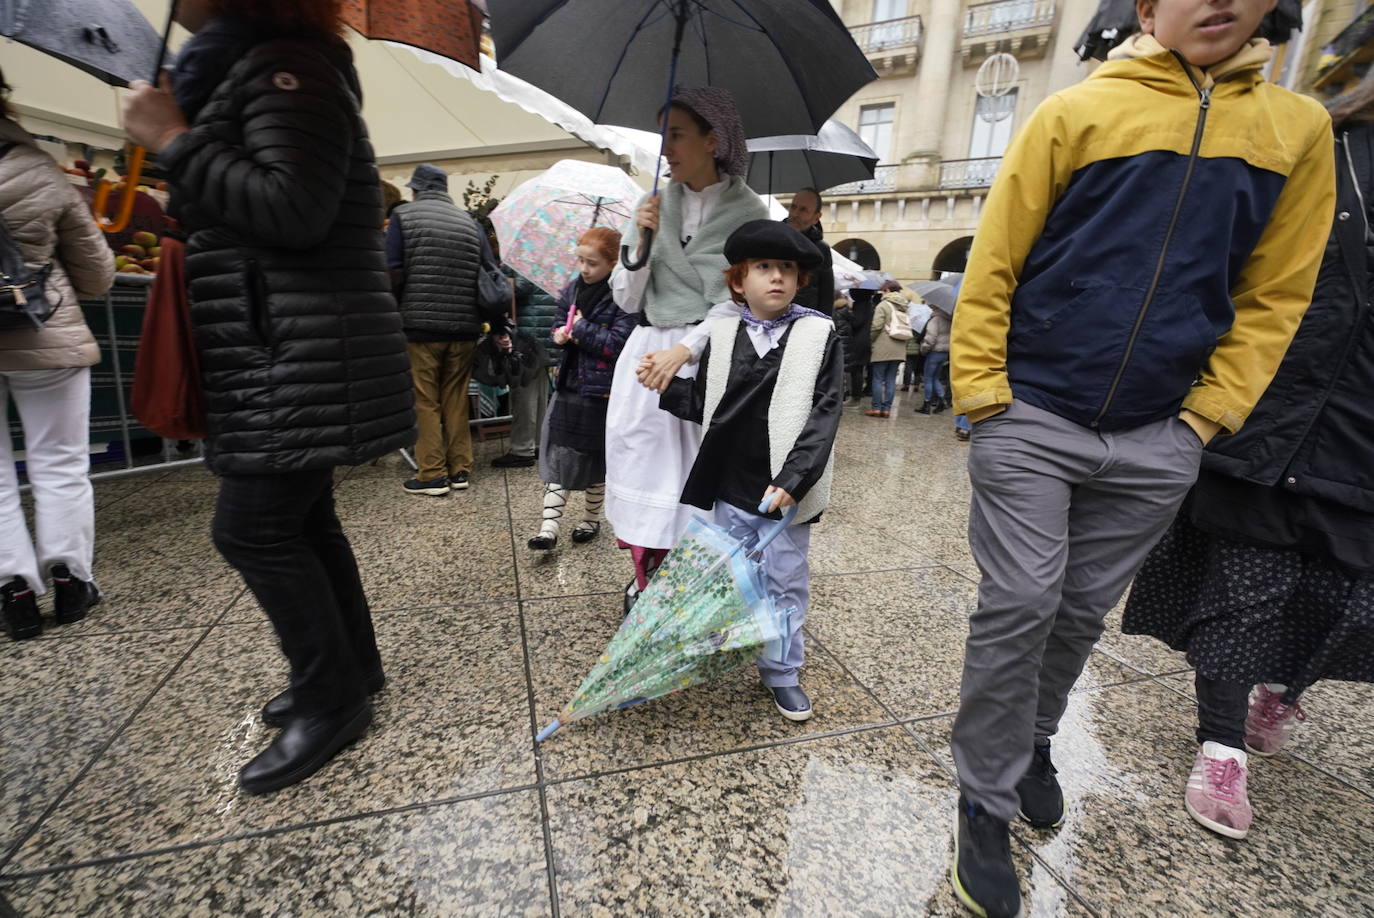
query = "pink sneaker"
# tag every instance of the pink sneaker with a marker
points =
(1270, 723)
(1216, 791)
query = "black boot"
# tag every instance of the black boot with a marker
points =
(940, 405)
(19, 610)
(303, 748)
(72, 598)
(927, 407)
(1042, 801)
(278, 711)
(983, 876)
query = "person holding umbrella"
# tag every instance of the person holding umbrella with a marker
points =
(804, 216)
(649, 452)
(303, 361)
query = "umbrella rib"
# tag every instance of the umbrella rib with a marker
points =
(610, 80)
(786, 58)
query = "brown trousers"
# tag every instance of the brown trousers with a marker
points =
(441, 370)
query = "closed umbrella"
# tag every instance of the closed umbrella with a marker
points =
(789, 64)
(787, 164)
(1116, 20)
(538, 223)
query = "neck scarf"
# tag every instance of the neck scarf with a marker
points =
(588, 295)
(793, 313)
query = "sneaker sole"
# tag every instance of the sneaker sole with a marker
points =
(1228, 831)
(1041, 825)
(427, 492)
(959, 892)
(795, 716)
(459, 487)
(1262, 754)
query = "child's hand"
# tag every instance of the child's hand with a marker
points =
(658, 368)
(561, 336)
(781, 499)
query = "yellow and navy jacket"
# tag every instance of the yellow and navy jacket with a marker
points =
(1150, 244)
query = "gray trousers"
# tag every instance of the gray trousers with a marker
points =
(1062, 518)
(527, 406)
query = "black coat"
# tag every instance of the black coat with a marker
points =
(734, 463)
(302, 358)
(819, 293)
(1312, 433)
(860, 319)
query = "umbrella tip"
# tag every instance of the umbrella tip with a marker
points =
(548, 731)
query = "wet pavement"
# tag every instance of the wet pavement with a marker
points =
(122, 735)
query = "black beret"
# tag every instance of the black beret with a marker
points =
(771, 239)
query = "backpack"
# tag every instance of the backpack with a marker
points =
(23, 290)
(898, 325)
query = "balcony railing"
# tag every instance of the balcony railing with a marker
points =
(969, 173)
(1007, 16)
(889, 35)
(884, 179)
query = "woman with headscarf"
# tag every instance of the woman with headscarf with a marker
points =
(302, 358)
(649, 452)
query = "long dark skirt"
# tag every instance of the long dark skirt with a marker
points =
(572, 448)
(1248, 614)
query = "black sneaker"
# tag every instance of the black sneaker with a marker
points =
(983, 876)
(512, 461)
(458, 481)
(434, 487)
(1042, 802)
(19, 610)
(72, 597)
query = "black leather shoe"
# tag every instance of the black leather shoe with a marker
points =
(278, 711)
(512, 461)
(303, 748)
(72, 598)
(1042, 800)
(585, 531)
(19, 610)
(983, 876)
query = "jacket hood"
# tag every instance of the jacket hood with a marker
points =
(1142, 57)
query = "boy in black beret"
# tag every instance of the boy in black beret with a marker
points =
(769, 390)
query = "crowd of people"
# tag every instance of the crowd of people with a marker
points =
(1159, 386)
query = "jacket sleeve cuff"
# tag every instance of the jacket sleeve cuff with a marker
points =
(790, 481)
(171, 156)
(984, 404)
(1202, 401)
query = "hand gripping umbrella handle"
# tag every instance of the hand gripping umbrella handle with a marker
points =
(788, 516)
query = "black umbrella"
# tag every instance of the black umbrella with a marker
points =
(109, 39)
(792, 162)
(1116, 20)
(788, 63)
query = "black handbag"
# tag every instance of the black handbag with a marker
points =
(24, 299)
(495, 292)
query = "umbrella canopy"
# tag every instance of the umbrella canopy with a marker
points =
(109, 39)
(789, 63)
(705, 613)
(786, 164)
(1116, 20)
(939, 295)
(451, 28)
(538, 223)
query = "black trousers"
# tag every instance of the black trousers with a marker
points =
(1221, 710)
(282, 534)
(857, 383)
(911, 372)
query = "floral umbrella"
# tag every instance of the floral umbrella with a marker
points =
(539, 222)
(705, 613)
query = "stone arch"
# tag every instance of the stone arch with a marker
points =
(862, 252)
(953, 258)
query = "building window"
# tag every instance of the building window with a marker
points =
(992, 123)
(884, 10)
(875, 127)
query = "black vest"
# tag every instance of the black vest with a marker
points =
(443, 252)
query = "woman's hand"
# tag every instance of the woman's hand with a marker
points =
(647, 215)
(152, 117)
(658, 368)
(561, 336)
(781, 499)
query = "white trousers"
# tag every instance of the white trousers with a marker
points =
(55, 412)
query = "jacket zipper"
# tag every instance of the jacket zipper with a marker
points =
(1204, 105)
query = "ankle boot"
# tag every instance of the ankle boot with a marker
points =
(304, 747)
(19, 610)
(72, 598)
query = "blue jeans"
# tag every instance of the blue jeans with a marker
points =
(934, 379)
(884, 383)
(961, 422)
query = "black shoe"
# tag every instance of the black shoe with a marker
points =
(927, 407)
(585, 531)
(72, 598)
(458, 481)
(542, 542)
(792, 703)
(434, 487)
(940, 406)
(512, 461)
(19, 610)
(278, 710)
(1042, 802)
(983, 876)
(303, 748)
(962, 434)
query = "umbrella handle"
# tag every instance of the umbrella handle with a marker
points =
(120, 221)
(628, 260)
(779, 528)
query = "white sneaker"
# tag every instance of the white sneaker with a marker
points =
(1216, 790)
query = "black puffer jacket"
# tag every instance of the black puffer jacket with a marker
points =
(443, 246)
(301, 352)
(1313, 431)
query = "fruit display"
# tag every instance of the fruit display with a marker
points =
(137, 250)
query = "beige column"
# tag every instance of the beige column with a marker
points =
(943, 25)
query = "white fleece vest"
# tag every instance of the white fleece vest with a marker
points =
(792, 396)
